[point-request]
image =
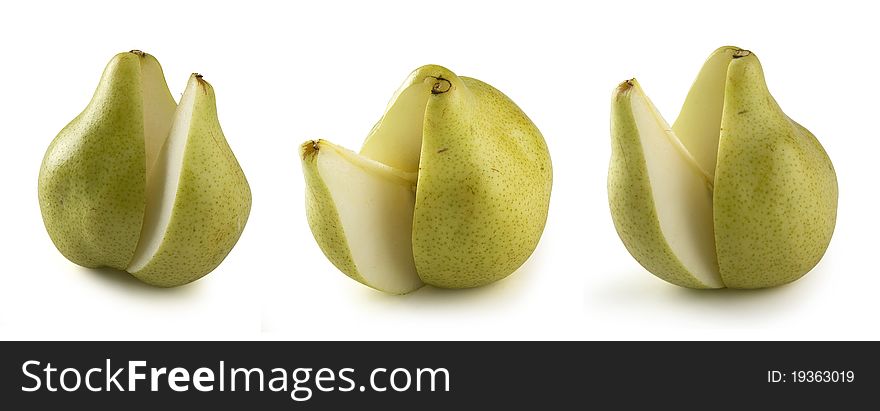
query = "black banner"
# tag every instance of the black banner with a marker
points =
(437, 375)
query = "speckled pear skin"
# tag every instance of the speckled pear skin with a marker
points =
(775, 198)
(483, 188)
(212, 203)
(630, 196)
(92, 180)
(323, 217)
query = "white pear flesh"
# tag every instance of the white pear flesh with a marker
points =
(681, 192)
(698, 125)
(375, 205)
(396, 140)
(162, 183)
(159, 109)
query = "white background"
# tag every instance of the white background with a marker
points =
(286, 72)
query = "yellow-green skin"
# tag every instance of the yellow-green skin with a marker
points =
(775, 198)
(484, 185)
(211, 207)
(92, 180)
(323, 217)
(631, 200)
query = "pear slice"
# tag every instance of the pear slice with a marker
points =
(361, 211)
(198, 199)
(660, 199)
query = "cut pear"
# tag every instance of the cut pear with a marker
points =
(735, 195)
(140, 184)
(369, 209)
(660, 199)
(483, 175)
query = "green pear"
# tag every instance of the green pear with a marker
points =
(451, 188)
(734, 194)
(140, 184)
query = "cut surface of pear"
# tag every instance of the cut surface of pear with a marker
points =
(698, 125)
(161, 175)
(396, 140)
(162, 183)
(159, 108)
(477, 184)
(749, 193)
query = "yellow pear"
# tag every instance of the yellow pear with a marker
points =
(735, 194)
(451, 188)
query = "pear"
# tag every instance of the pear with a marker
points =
(140, 184)
(735, 194)
(451, 188)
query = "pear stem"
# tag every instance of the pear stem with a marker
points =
(439, 85)
(741, 53)
(310, 148)
(626, 85)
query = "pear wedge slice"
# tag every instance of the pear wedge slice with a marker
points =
(198, 199)
(361, 212)
(660, 199)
